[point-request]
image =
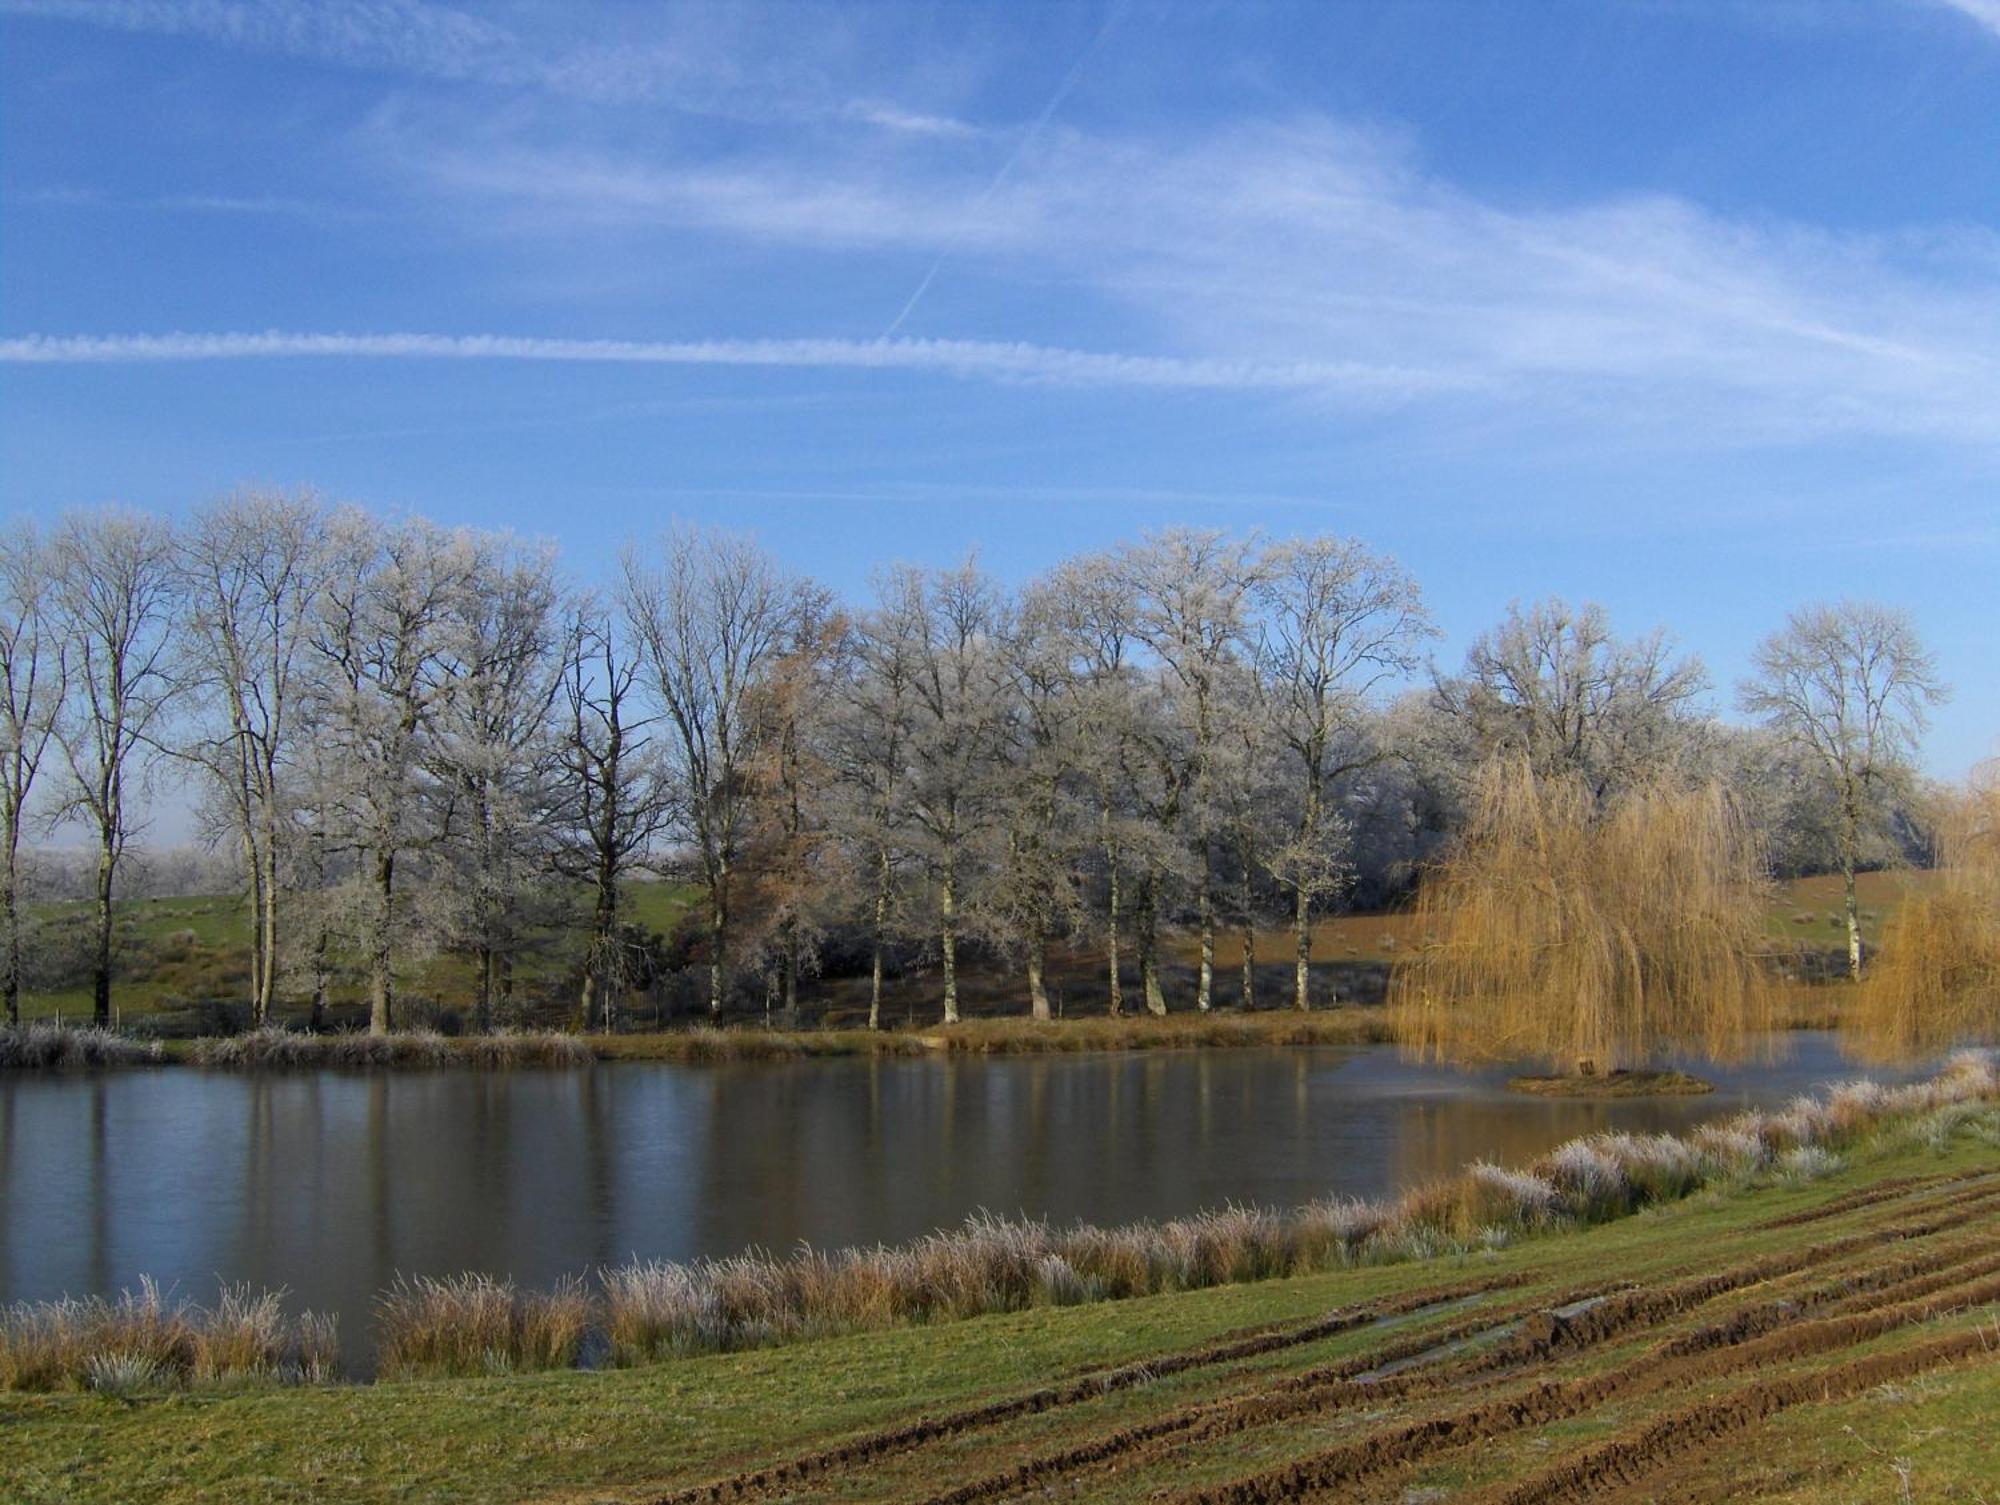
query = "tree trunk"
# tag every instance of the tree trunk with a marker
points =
(316, 1016)
(381, 981)
(1850, 847)
(100, 972)
(1302, 949)
(883, 874)
(1149, 946)
(1111, 927)
(791, 975)
(1249, 966)
(253, 864)
(718, 936)
(1205, 984)
(948, 913)
(1853, 921)
(10, 916)
(267, 984)
(1038, 993)
(489, 968)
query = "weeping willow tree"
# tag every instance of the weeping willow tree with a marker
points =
(1936, 983)
(1589, 936)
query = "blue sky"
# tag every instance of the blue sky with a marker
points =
(1689, 308)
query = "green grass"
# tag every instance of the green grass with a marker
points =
(170, 953)
(560, 1435)
(178, 953)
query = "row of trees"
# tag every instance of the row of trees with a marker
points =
(416, 736)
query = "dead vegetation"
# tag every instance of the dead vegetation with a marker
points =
(144, 1340)
(276, 1049)
(1592, 938)
(1937, 981)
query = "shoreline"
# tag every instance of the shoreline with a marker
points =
(34, 1046)
(1839, 1219)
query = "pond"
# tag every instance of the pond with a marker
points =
(331, 1184)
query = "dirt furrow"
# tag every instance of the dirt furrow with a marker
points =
(1090, 1386)
(1854, 1201)
(1555, 1400)
(1299, 1392)
(1543, 1334)
(1629, 1459)
(1931, 1215)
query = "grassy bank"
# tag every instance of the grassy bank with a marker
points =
(1778, 1338)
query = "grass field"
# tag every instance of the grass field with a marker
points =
(176, 955)
(1837, 1340)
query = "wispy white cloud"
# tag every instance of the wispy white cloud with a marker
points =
(893, 117)
(993, 360)
(276, 206)
(732, 61)
(433, 40)
(1985, 12)
(1311, 243)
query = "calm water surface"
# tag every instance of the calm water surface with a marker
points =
(331, 1184)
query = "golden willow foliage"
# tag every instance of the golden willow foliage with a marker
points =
(1937, 982)
(1588, 937)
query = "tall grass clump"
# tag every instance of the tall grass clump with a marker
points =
(1936, 983)
(275, 1048)
(142, 1340)
(1589, 937)
(478, 1325)
(50, 1045)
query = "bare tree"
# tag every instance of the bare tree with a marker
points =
(1036, 894)
(113, 581)
(1089, 617)
(613, 801)
(1850, 685)
(388, 618)
(945, 625)
(710, 614)
(251, 569)
(797, 860)
(31, 695)
(1188, 593)
(867, 738)
(493, 749)
(1339, 620)
(1554, 685)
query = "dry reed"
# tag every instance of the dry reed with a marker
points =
(275, 1048)
(50, 1045)
(144, 1340)
(478, 1325)
(1937, 981)
(1590, 938)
